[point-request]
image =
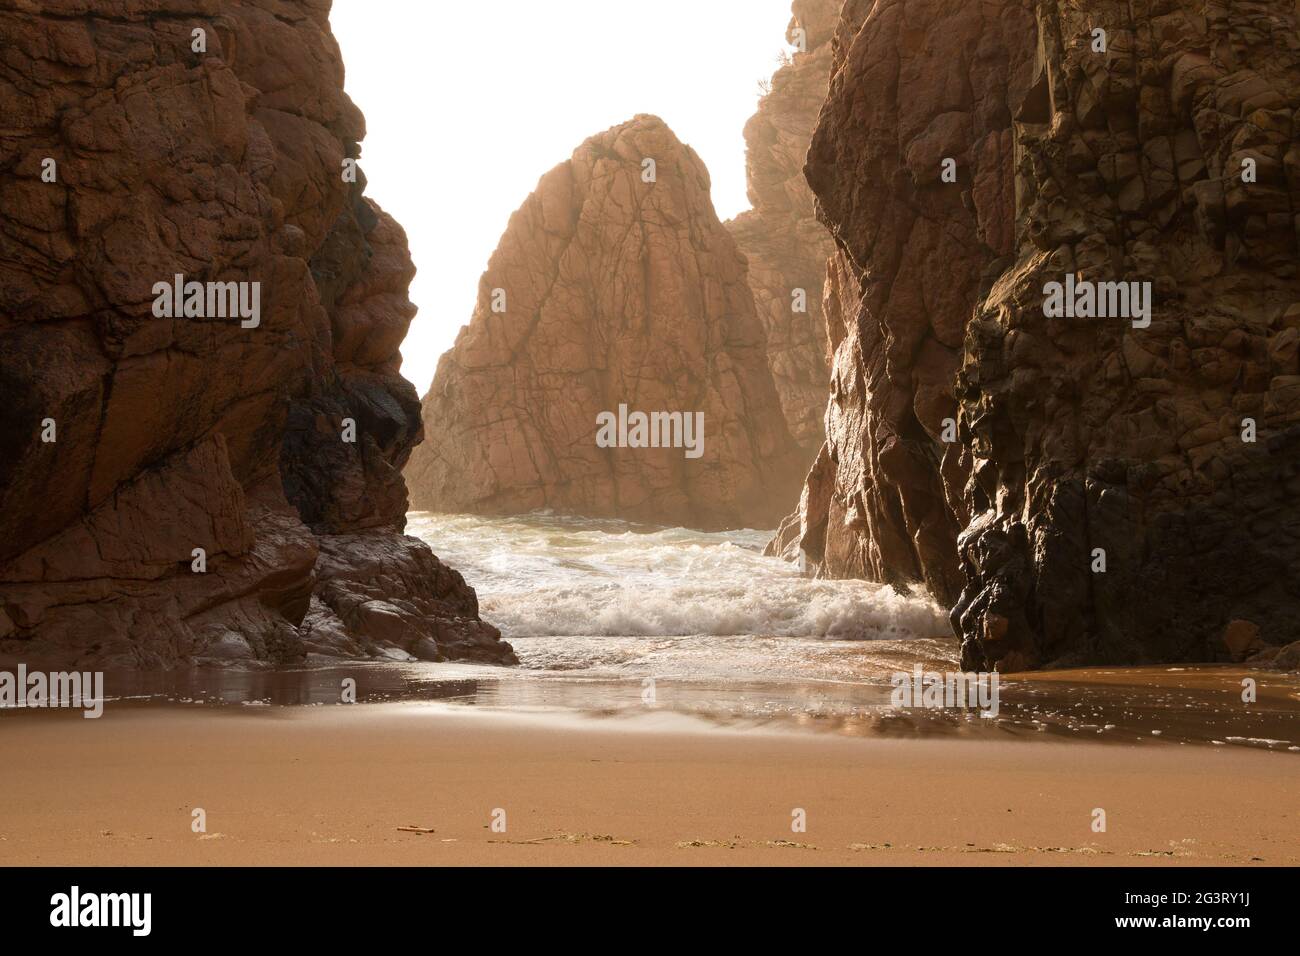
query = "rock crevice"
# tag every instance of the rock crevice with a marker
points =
(785, 246)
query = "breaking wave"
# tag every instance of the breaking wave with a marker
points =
(546, 575)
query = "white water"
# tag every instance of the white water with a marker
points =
(611, 599)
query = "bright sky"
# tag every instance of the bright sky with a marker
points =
(468, 104)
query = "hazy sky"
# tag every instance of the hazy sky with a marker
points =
(468, 104)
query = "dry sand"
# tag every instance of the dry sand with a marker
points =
(333, 785)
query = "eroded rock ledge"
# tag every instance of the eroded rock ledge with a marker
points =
(1074, 437)
(171, 435)
(613, 285)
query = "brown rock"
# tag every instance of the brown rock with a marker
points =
(1241, 638)
(386, 591)
(780, 236)
(1285, 658)
(177, 434)
(1074, 436)
(610, 290)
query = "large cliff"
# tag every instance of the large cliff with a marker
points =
(202, 487)
(616, 292)
(785, 245)
(1080, 489)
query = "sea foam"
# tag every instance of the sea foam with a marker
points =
(546, 575)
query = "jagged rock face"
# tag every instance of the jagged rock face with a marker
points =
(780, 236)
(608, 290)
(128, 441)
(883, 499)
(1078, 439)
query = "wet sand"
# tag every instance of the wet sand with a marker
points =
(1200, 704)
(335, 785)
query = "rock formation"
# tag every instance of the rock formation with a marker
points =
(1079, 489)
(614, 286)
(180, 489)
(786, 246)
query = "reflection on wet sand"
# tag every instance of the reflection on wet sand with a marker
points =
(1152, 704)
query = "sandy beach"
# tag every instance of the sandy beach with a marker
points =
(336, 785)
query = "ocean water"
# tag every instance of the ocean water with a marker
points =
(644, 624)
(591, 597)
(615, 619)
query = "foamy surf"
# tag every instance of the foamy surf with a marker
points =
(543, 575)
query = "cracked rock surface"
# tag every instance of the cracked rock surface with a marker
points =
(1074, 437)
(609, 290)
(785, 245)
(195, 433)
